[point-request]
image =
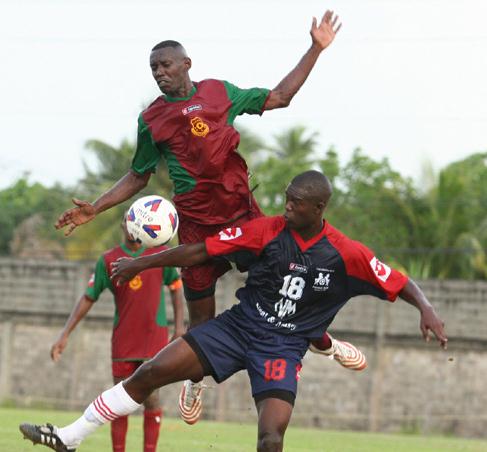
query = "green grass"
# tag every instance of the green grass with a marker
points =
(226, 437)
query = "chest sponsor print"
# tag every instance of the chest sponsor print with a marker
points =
(191, 108)
(322, 282)
(298, 268)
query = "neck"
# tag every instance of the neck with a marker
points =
(182, 91)
(311, 231)
(132, 246)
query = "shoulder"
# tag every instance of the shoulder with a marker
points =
(152, 108)
(112, 254)
(346, 246)
(275, 223)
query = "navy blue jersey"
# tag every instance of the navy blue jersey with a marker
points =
(296, 286)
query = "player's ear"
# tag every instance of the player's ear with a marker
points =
(188, 63)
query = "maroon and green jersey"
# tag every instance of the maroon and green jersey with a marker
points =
(140, 325)
(196, 137)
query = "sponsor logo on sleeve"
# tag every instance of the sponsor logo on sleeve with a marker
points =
(381, 270)
(91, 282)
(230, 233)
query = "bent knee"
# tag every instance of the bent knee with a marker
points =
(148, 374)
(270, 442)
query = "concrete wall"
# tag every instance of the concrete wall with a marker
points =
(408, 386)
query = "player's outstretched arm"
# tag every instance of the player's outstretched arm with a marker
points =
(124, 269)
(322, 35)
(126, 187)
(430, 322)
(79, 311)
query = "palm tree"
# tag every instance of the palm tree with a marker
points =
(112, 163)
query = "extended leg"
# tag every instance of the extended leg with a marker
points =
(344, 353)
(174, 363)
(200, 309)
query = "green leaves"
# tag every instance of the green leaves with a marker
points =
(435, 229)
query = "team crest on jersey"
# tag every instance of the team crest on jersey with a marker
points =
(381, 270)
(135, 283)
(298, 268)
(191, 108)
(230, 233)
(322, 282)
(198, 127)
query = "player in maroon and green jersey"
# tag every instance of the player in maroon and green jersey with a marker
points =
(140, 328)
(191, 127)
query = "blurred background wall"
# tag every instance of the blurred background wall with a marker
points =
(409, 386)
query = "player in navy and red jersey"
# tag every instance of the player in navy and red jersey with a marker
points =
(301, 272)
(191, 128)
(139, 328)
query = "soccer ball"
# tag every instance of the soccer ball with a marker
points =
(152, 221)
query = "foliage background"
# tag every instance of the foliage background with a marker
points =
(436, 228)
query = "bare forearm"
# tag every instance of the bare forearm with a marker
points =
(125, 188)
(179, 256)
(77, 314)
(413, 295)
(286, 89)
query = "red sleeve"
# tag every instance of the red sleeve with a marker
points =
(361, 263)
(251, 236)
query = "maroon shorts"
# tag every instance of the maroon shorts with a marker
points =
(123, 369)
(201, 277)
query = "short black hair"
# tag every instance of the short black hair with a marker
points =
(315, 184)
(167, 43)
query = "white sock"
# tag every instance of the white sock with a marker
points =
(110, 405)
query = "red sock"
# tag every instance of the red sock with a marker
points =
(119, 431)
(152, 425)
(324, 343)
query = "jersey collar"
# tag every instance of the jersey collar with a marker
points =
(132, 253)
(177, 99)
(306, 244)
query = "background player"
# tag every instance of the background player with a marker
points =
(282, 307)
(140, 326)
(191, 127)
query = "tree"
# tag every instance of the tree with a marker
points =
(112, 163)
(24, 200)
(292, 152)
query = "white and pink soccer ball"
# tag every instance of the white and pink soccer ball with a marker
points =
(152, 221)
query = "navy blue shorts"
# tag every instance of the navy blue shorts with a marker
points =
(228, 344)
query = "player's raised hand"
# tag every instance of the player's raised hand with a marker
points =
(123, 269)
(431, 323)
(58, 348)
(324, 33)
(76, 216)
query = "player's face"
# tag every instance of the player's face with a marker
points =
(170, 68)
(300, 211)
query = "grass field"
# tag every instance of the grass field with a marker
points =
(225, 437)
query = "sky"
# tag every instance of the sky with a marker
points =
(404, 80)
